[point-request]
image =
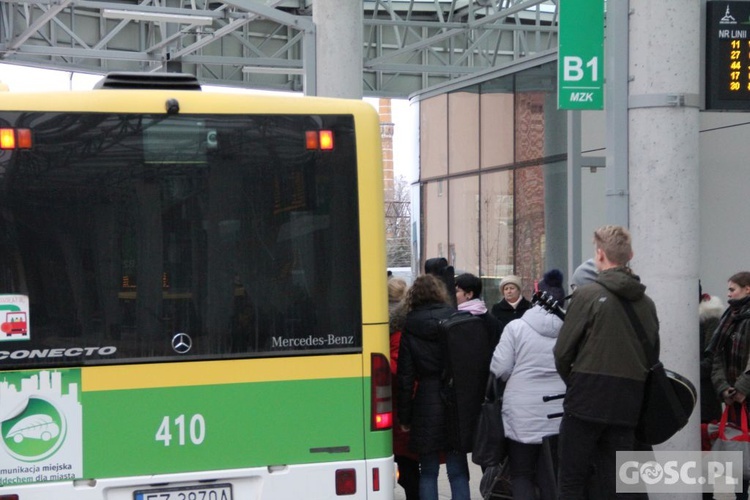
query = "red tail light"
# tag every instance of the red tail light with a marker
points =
(376, 479)
(381, 402)
(346, 482)
(24, 138)
(311, 139)
(9, 497)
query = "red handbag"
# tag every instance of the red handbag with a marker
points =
(733, 437)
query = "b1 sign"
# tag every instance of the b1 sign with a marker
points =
(580, 65)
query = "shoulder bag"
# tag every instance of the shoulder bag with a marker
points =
(489, 438)
(668, 398)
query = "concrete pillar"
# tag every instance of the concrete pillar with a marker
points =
(663, 178)
(338, 48)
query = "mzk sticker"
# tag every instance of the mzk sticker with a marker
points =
(14, 318)
(40, 426)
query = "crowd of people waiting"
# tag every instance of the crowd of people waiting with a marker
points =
(581, 355)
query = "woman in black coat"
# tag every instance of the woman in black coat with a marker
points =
(421, 407)
(513, 304)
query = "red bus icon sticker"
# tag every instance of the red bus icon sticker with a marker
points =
(15, 324)
(14, 317)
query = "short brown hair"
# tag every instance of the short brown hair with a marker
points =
(615, 242)
(742, 278)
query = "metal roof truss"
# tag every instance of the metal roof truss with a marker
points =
(408, 44)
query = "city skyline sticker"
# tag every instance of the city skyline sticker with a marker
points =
(40, 426)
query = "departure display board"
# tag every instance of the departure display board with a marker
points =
(727, 55)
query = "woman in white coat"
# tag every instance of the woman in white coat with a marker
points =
(524, 359)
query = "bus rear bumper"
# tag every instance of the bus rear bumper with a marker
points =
(374, 479)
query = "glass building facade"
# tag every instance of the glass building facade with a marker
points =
(492, 182)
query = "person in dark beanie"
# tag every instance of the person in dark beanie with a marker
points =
(552, 283)
(438, 266)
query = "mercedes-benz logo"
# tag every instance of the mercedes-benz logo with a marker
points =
(181, 343)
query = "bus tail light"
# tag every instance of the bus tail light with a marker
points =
(24, 138)
(381, 401)
(7, 138)
(376, 479)
(311, 139)
(319, 140)
(346, 482)
(11, 138)
(9, 497)
(326, 140)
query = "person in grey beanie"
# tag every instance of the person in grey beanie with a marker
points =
(585, 273)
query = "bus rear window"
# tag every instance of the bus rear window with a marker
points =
(129, 238)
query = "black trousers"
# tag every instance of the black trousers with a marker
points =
(527, 472)
(582, 444)
(408, 476)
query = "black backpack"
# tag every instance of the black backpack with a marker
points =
(467, 349)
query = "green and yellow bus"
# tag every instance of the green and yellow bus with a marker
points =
(192, 296)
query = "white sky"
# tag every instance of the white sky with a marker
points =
(22, 78)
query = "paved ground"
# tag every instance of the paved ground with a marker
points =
(475, 472)
(444, 489)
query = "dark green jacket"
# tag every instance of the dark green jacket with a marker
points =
(598, 354)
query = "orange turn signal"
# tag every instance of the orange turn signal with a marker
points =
(7, 138)
(326, 140)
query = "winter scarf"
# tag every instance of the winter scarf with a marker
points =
(728, 338)
(474, 306)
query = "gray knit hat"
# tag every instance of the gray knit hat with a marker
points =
(585, 273)
(511, 280)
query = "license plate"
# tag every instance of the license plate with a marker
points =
(213, 492)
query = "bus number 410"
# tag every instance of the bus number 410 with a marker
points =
(197, 429)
